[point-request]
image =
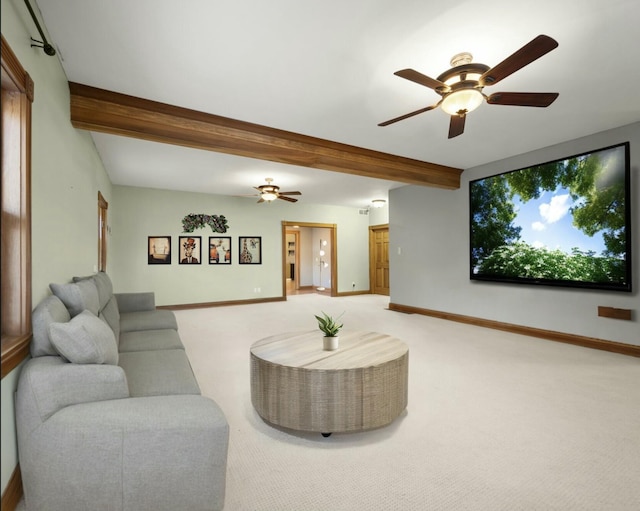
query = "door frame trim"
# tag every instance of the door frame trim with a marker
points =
(296, 260)
(333, 233)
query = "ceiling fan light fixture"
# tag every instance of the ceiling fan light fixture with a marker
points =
(269, 193)
(466, 100)
(452, 80)
(461, 86)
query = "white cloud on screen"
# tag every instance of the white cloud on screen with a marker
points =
(557, 208)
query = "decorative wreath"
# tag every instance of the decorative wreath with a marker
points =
(192, 222)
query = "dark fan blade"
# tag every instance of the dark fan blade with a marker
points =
(541, 99)
(406, 116)
(290, 193)
(531, 51)
(290, 199)
(456, 126)
(261, 200)
(414, 76)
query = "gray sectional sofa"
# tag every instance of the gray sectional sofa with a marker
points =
(109, 414)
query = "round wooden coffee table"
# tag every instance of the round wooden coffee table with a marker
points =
(361, 385)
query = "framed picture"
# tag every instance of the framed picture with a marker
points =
(250, 249)
(190, 249)
(220, 250)
(159, 249)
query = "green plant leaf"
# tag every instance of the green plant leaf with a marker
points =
(328, 325)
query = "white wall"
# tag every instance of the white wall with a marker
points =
(306, 256)
(379, 216)
(431, 229)
(142, 212)
(321, 277)
(67, 174)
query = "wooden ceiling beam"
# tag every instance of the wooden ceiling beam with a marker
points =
(119, 114)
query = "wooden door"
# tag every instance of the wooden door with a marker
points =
(379, 259)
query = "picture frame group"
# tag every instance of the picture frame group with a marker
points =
(190, 250)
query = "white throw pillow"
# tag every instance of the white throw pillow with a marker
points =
(85, 339)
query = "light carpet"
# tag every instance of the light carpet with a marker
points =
(495, 421)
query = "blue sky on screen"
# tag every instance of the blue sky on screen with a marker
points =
(547, 222)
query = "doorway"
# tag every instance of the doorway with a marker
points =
(309, 258)
(379, 259)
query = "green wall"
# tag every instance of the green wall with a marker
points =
(137, 213)
(66, 176)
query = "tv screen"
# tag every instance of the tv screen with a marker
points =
(562, 223)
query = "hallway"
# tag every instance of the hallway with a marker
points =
(305, 290)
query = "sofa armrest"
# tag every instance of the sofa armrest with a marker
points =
(49, 384)
(135, 302)
(164, 452)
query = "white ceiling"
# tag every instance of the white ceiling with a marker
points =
(325, 69)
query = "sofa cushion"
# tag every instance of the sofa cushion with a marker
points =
(166, 339)
(148, 320)
(77, 296)
(85, 339)
(136, 302)
(158, 373)
(50, 310)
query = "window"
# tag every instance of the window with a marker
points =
(17, 96)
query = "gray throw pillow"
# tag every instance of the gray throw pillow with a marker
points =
(103, 285)
(77, 296)
(85, 339)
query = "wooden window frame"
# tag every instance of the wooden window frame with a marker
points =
(17, 98)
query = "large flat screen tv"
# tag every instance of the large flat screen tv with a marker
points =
(562, 223)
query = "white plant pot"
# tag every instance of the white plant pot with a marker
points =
(330, 343)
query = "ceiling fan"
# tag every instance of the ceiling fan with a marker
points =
(461, 86)
(269, 193)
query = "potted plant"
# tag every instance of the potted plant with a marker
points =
(330, 328)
